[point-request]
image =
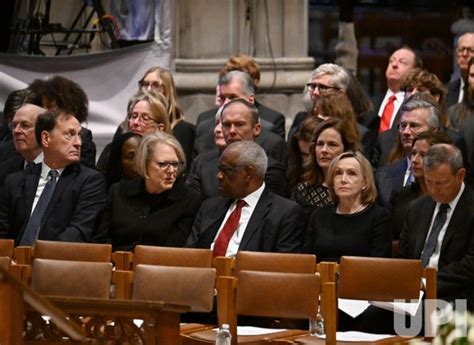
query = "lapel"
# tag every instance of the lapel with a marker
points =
(398, 172)
(259, 214)
(65, 182)
(214, 216)
(32, 177)
(458, 218)
(425, 215)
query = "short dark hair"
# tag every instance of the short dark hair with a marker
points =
(47, 122)
(252, 108)
(16, 99)
(443, 154)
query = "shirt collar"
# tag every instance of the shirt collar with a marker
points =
(252, 198)
(46, 169)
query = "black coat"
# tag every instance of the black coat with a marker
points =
(276, 224)
(132, 216)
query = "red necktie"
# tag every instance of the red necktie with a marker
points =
(387, 114)
(222, 241)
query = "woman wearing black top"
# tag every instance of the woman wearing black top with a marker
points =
(354, 225)
(156, 209)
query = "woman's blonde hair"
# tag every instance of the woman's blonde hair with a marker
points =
(158, 105)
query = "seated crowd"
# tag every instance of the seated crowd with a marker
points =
(351, 180)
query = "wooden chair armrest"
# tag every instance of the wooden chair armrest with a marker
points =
(123, 282)
(122, 260)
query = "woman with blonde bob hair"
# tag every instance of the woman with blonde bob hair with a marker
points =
(146, 113)
(157, 208)
(354, 225)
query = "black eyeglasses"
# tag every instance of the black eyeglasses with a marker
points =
(167, 164)
(323, 89)
(461, 50)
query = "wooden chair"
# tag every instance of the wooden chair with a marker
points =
(71, 278)
(275, 262)
(190, 286)
(377, 279)
(6, 248)
(262, 294)
(170, 256)
(74, 251)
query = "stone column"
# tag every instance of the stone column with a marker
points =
(275, 32)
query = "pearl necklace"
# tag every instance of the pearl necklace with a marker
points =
(358, 209)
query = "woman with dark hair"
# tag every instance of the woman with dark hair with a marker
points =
(66, 95)
(122, 158)
(330, 138)
(354, 225)
(157, 208)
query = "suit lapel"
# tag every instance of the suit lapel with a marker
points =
(425, 217)
(458, 218)
(259, 213)
(32, 177)
(213, 219)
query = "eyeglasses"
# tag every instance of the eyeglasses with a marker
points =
(461, 50)
(141, 117)
(413, 126)
(227, 170)
(167, 164)
(146, 84)
(323, 89)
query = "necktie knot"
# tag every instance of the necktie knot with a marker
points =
(443, 208)
(53, 174)
(240, 203)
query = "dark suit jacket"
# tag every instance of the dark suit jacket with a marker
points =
(132, 216)
(455, 277)
(272, 143)
(453, 92)
(276, 119)
(389, 179)
(276, 224)
(11, 165)
(202, 176)
(76, 203)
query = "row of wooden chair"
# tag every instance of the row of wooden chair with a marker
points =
(254, 284)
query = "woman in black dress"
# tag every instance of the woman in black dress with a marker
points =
(354, 225)
(155, 209)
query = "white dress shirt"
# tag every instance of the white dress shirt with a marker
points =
(247, 211)
(452, 206)
(399, 98)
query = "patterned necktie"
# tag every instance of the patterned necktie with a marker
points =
(222, 241)
(438, 224)
(34, 223)
(387, 114)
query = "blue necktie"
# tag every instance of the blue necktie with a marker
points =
(438, 224)
(34, 223)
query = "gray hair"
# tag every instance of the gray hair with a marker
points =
(434, 112)
(340, 78)
(147, 148)
(248, 84)
(443, 154)
(251, 154)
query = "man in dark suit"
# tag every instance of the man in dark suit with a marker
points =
(27, 149)
(240, 121)
(266, 222)
(33, 205)
(464, 52)
(438, 228)
(417, 116)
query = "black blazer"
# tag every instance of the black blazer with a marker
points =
(202, 176)
(276, 119)
(11, 165)
(389, 179)
(132, 216)
(76, 203)
(455, 277)
(276, 224)
(452, 96)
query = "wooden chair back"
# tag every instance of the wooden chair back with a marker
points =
(275, 262)
(170, 256)
(73, 251)
(5, 262)
(190, 286)
(71, 278)
(378, 279)
(6, 247)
